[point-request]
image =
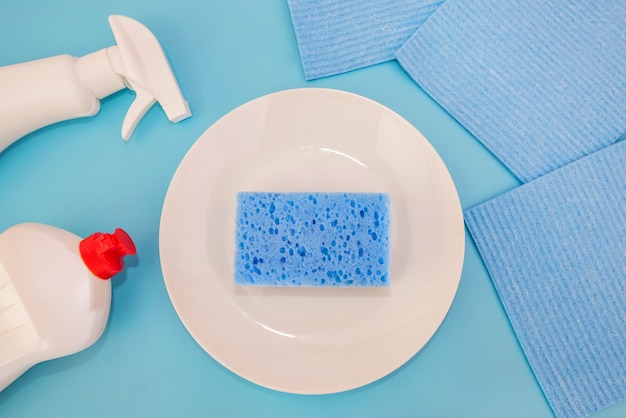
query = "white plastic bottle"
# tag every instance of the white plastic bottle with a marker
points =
(54, 293)
(42, 92)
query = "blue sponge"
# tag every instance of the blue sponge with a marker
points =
(312, 239)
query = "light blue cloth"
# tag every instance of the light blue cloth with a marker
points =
(539, 83)
(336, 36)
(556, 251)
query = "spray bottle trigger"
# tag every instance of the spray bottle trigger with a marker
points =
(140, 60)
(142, 103)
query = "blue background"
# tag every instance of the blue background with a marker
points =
(79, 175)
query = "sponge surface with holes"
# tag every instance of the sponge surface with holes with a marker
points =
(312, 239)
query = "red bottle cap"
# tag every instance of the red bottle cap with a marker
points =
(103, 254)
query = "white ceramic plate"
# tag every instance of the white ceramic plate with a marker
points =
(311, 340)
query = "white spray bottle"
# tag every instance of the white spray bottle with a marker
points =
(54, 293)
(42, 92)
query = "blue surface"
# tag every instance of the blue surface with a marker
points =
(346, 237)
(81, 176)
(336, 36)
(560, 281)
(539, 83)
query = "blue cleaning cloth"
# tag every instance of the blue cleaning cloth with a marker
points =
(539, 83)
(556, 252)
(312, 239)
(336, 36)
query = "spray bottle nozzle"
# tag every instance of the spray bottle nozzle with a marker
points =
(137, 62)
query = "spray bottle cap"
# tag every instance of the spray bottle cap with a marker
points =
(103, 254)
(136, 62)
